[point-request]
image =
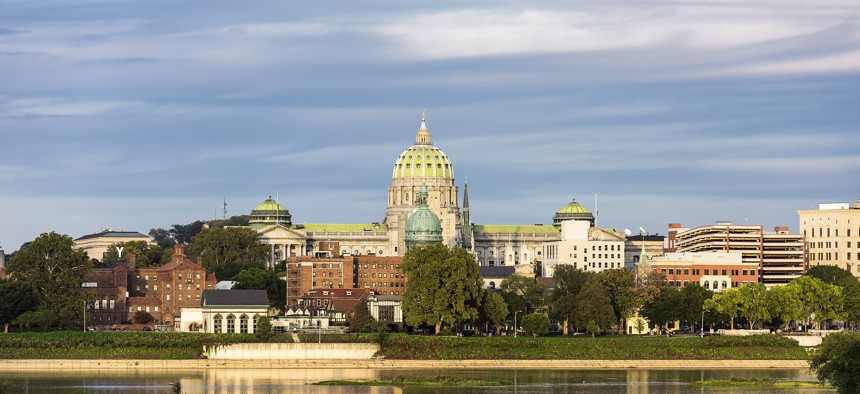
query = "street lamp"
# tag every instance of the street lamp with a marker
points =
(703, 325)
(515, 323)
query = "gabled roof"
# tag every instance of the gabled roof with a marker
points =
(235, 298)
(313, 227)
(187, 264)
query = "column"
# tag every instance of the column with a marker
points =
(272, 259)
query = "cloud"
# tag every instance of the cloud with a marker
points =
(786, 166)
(43, 106)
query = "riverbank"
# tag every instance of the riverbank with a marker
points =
(186, 365)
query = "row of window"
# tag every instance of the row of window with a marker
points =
(231, 323)
(820, 245)
(600, 247)
(608, 256)
(601, 265)
(372, 285)
(697, 271)
(180, 276)
(139, 309)
(822, 232)
(187, 297)
(829, 256)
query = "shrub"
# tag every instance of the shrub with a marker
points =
(836, 360)
(264, 332)
(536, 324)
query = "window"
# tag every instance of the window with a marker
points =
(686, 271)
(725, 286)
(216, 323)
(231, 324)
(243, 324)
(168, 297)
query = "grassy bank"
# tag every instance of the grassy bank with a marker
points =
(154, 346)
(766, 347)
(114, 345)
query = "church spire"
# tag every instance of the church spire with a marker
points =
(423, 135)
(466, 225)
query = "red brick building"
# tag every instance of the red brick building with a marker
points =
(338, 304)
(377, 273)
(124, 289)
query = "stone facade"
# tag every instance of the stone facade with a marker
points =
(832, 235)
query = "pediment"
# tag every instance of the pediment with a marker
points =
(281, 232)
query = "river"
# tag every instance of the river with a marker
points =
(633, 381)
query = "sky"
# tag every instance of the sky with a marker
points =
(134, 115)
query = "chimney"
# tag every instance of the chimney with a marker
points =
(131, 259)
(200, 260)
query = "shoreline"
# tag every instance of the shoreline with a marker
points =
(197, 365)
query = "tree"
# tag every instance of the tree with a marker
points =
(568, 283)
(667, 307)
(17, 298)
(493, 309)
(360, 317)
(785, 304)
(619, 284)
(162, 238)
(830, 274)
(851, 296)
(532, 292)
(263, 279)
(727, 303)
(536, 324)
(754, 304)
(238, 220)
(264, 331)
(694, 297)
(142, 317)
(595, 306)
(146, 255)
(54, 270)
(444, 286)
(836, 361)
(185, 233)
(226, 251)
(820, 300)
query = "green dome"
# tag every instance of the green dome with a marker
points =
(268, 214)
(423, 160)
(423, 226)
(572, 211)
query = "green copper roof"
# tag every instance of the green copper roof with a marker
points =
(490, 228)
(270, 205)
(423, 161)
(335, 227)
(573, 207)
(423, 226)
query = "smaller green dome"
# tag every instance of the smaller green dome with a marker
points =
(269, 213)
(572, 211)
(423, 226)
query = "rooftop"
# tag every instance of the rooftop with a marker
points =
(235, 297)
(114, 234)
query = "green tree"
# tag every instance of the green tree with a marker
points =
(54, 270)
(536, 324)
(754, 303)
(594, 306)
(142, 317)
(162, 238)
(821, 301)
(785, 304)
(185, 233)
(263, 279)
(667, 307)
(836, 361)
(239, 220)
(264, 332)
(444, 286)
(568, 283)
(493, 309)
(851, 296)
(694, 297)
(146, 255)
(728, 303)
(620, 285)
(830, 274)
(532, 292)
(360, 317)
(17, 298)
(226, 251)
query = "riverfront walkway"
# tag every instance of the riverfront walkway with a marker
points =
(173, 365)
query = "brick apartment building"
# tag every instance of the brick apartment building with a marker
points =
(125, 289)
(377, 273)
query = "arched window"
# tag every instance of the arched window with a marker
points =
(243, 324)
(216, 324)
(254, 322)
(725, 285)
(707, 284)
(492, 285)
(231, 324)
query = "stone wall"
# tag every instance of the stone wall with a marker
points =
(293, 351)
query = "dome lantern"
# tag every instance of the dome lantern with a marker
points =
(572, 211)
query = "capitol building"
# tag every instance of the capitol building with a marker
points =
(424, 205)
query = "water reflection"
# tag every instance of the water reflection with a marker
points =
(218, 381)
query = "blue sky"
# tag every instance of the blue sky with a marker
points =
(134, 115)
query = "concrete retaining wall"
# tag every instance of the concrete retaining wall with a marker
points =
(293, 351)
(806, 340)
(743, 333)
